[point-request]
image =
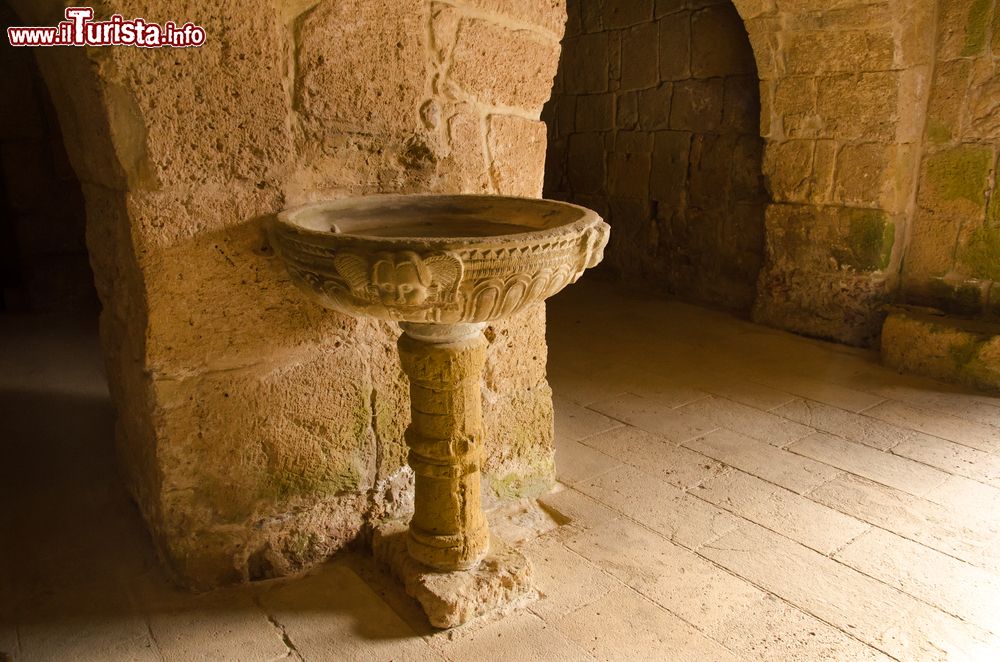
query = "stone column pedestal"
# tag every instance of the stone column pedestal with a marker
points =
(445, 364)
(446, 557)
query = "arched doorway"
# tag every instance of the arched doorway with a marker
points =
(654, 121)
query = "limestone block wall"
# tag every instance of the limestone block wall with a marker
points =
(259, 432)
(843, 90)
(654, 121)
(953, 257)
(844, 87)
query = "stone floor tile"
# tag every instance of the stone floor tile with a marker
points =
(576, 510)
(953, 458)
(95, 637)
(981, 412)
(624, 625)
(827, 393)
(565, 580)
(676, 465)
(576, 461)
(771, 629)
(858, 428)
(794, 472)
(520, 636)
(573, 422)
(790, 514)
(885, 618)
(961, 589)
(749, 393)
(959, 531)
(677, 515)
(965, 495)
(582, 388)
(666, 389)
(882, 467)
(334, 615)
(977, 435)
(673, 424)
(751, 422)
(676, 578)
(212, 628)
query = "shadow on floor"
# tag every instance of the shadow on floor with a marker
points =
(76, 560)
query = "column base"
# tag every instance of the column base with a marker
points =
(501, 583)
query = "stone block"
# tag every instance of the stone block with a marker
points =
(954, 181)
(697, 105)
(548, 14)
(719, 43)
(628, 174)
(943, 347)
(585, 163)
(709, 184)
(654, 107)
(963, 28)
(788, 168)
(634, 142)
(595, 112)
(481, 65)
(865, 175)
(671, 152)
(592, 15)
(627, 110)
(639, 57)
(979, 253)
(586, 63)
(794, 103)
(502, 582)
(517, 148)
(858, 106)
(984, 104)
(199, 135)
(675, 47)
(741, 104)
(947, 100)
(624, 13)
(813, 51)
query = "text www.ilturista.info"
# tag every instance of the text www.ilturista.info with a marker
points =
(79, 29)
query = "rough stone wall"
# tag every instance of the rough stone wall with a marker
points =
(654, 122)
(259, 432)
(43, 256)
(844, 88)
(953, 256)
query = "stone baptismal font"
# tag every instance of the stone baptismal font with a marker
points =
(443, 267)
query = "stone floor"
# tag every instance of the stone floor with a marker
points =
(727, 492)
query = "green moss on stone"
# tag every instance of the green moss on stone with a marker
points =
(938, 132)
(976, 27)
(535, 479)
(964, 353)
(869, 241)
(960, 173)
(982, 254)
(343, 480)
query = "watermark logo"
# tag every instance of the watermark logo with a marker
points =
(79, 29)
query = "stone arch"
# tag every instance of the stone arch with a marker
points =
(655, 123)
(842, 94)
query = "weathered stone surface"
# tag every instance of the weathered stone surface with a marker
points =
(943, 348)
(483, 46)
(501, 583)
